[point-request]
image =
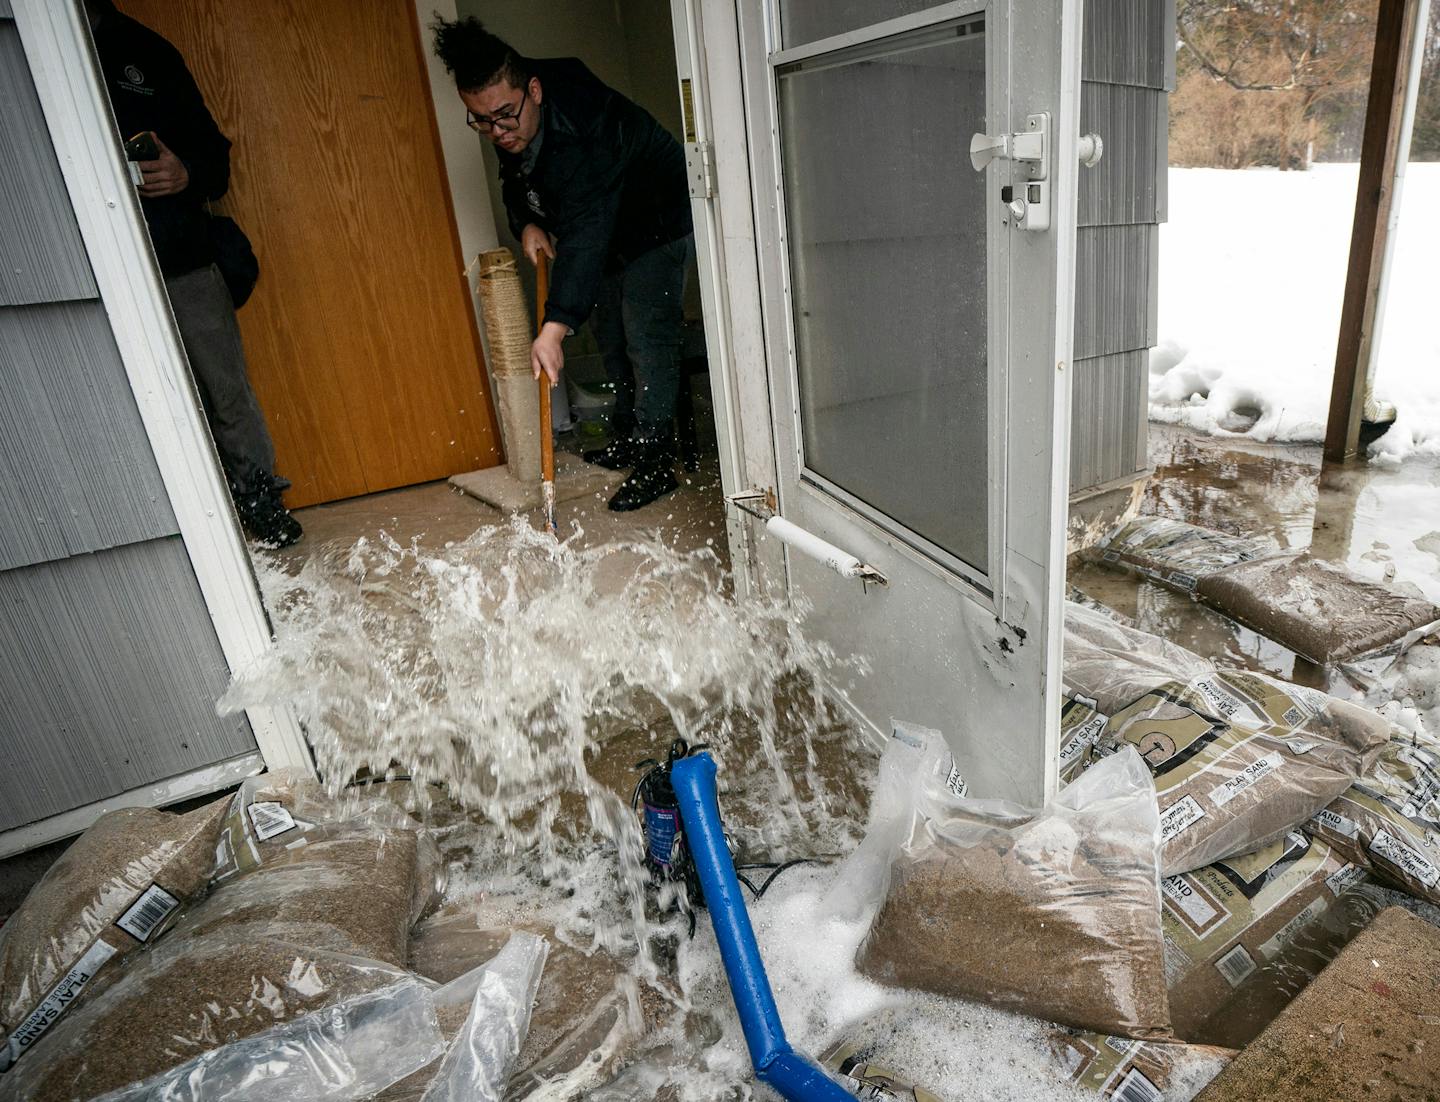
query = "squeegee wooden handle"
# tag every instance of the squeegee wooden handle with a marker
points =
(547, 437)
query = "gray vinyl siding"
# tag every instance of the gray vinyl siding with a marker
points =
(109, 663)
(76, 471)
(1127, 68)
(44, 258)
(101, 693)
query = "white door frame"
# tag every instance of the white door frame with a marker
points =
(77, 113)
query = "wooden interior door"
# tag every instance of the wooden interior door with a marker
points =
(360, 336)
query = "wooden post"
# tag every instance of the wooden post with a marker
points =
(1394, 35)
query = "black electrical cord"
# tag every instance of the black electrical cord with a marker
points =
(776, 867)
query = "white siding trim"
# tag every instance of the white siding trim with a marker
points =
(108, 212)
(198, 782)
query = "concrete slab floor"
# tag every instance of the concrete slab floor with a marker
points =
(436, 513)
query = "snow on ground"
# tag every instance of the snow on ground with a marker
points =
(1252, 272)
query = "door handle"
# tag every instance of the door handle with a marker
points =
(1028, 199)
(760, 504)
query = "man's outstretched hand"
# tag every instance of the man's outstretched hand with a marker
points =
(546, 353)
(534, 241)
(166, 175)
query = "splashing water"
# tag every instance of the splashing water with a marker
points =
(502, 666)
(527, 676)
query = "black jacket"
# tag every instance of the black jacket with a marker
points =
(609, 183)
(151, 89)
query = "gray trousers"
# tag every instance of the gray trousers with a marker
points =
(205, 316)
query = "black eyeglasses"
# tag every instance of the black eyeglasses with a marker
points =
(483, 123)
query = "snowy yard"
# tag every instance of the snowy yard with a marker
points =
(1252, 272)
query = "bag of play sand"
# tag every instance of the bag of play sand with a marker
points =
(1238, 758)
(1136, 1071)
(1320, 610)
(274, 815)
(1076, 882)
(112, 892)
(1223, 922)
(1177, 554)
(1389, 820)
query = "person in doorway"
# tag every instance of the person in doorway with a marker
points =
(184, 161)
(591, 180)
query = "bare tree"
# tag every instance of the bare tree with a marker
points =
(1303, 56)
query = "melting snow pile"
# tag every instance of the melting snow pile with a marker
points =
(1252, 274)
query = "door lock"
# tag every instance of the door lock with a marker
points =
(1027, 200)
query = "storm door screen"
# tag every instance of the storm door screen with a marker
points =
(885, 226)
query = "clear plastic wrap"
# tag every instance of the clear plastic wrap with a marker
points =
(113, 891)
(1077, 883)
(478, 1063)
(1131, 1071)
(274, 814)
(589, 1010)
(346, 1051)
(1239, 759)
(1177, 554)
(176, 1009)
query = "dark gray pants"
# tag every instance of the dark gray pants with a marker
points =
(205, 316)
(638, 323)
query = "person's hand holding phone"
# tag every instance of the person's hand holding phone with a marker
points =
(166, 175)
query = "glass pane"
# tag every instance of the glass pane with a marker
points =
(888, 278)
(804, 21)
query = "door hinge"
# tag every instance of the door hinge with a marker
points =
(700, 167)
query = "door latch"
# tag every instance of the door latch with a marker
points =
(1028, 200)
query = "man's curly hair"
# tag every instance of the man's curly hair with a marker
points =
(475, 57)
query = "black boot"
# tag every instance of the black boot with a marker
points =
(265, 519)
(614, 456)
(652, 478)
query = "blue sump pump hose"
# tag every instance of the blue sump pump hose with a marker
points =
(793, 1074)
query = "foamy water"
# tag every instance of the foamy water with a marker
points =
(502, 667)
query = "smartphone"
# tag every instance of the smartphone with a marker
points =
(142, 147)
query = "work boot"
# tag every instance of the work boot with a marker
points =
(652, 478)
(614, 456)
(266, 520)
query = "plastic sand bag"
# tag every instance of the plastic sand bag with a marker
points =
(1136, 1071)
(1223, 923)
(275, 813)
(1054, 913)
(1265, 993)
(1389, 820)
(1177, 554)
(589, 1010)
(176, 1005)
(1320, 610)
(1239, 759)
(477, 1066)
(113, 891)
(344, 1052)
(349, 890)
